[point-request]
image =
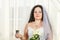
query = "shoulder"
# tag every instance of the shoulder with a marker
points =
(26, 27)
(29, 24)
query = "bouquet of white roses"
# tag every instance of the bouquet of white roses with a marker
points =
(35, 36)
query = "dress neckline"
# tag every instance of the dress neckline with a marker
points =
(35, 29)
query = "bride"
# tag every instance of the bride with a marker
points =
(37, 24)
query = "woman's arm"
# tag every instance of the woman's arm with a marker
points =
(23, 37)
(26, 32)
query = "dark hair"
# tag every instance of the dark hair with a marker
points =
(32, 13)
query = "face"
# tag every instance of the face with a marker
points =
(38, 13)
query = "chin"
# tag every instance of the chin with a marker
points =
(38, 19)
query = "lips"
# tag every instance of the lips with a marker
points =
(37, 16)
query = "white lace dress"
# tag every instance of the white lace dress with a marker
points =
(39, 30)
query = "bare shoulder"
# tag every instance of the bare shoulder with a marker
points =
(26, 27)
(29, 24)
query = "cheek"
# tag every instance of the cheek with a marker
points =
(35, 15)
(40, 15)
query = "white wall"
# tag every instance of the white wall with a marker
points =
(14, 14)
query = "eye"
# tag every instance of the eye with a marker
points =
(40, 11)
(35, 11)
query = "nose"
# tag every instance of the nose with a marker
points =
(37, 13)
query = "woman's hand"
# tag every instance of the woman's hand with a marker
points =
(17, 35)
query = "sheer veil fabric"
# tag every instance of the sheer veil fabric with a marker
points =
(47, 25)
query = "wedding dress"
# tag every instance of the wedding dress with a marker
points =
(39, 30)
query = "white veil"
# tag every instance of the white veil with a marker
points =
(47, 24)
